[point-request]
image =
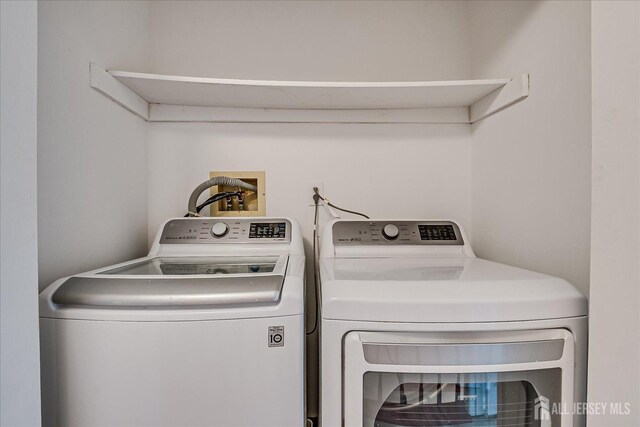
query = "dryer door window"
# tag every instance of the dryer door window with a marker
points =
(520, 398)
(481, 379)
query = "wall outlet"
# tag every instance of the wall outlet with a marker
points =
(255, 203)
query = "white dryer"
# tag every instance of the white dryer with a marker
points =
(207, 330)
(417, 331)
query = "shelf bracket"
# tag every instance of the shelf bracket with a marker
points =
(514, 91)
(107, 85)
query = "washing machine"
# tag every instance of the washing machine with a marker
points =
(418, 331)
(207, 330)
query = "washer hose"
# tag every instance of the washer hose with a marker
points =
(216, 180)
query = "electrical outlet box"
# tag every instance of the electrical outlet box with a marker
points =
(255, 203)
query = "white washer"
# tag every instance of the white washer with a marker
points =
(417, 331)
(205, 330)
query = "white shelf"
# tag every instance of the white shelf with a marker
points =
(157, 97)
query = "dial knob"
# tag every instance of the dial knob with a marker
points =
(390, 232)
(219, 229)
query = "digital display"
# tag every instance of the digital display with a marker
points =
(267, 230)
(437, 232)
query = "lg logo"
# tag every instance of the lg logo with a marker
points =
(276, 336)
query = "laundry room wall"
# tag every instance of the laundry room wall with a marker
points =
(531, 164)
(92, 155)
(385, 170)
(334, 41)
(358, 165)
(614, 339)
(19, 340)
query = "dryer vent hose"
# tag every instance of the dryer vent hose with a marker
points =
(216, 180)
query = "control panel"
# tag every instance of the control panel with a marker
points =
(396, 233)
(267, 230)
(231, 230)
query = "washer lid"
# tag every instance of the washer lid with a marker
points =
(158, 293)
(442, 290)
(159, 282)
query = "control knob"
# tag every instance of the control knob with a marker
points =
(219, 229)
(390, 232)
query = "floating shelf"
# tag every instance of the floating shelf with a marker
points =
(157, 97)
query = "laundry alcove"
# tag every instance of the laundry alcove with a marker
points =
(282, 87)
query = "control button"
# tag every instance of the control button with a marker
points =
(219, 229)
(390, 232)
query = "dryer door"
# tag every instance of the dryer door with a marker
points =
(458, 379)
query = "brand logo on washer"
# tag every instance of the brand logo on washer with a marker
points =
(276, 336)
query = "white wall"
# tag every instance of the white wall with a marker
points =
(614, 357)
(92, 171)
(19, 350)
(383, 170)
(314, 41)
(285, 40)
(531, 166)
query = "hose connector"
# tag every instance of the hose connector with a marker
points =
(216, 180)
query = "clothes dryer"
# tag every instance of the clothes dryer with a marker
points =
(418, 331)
